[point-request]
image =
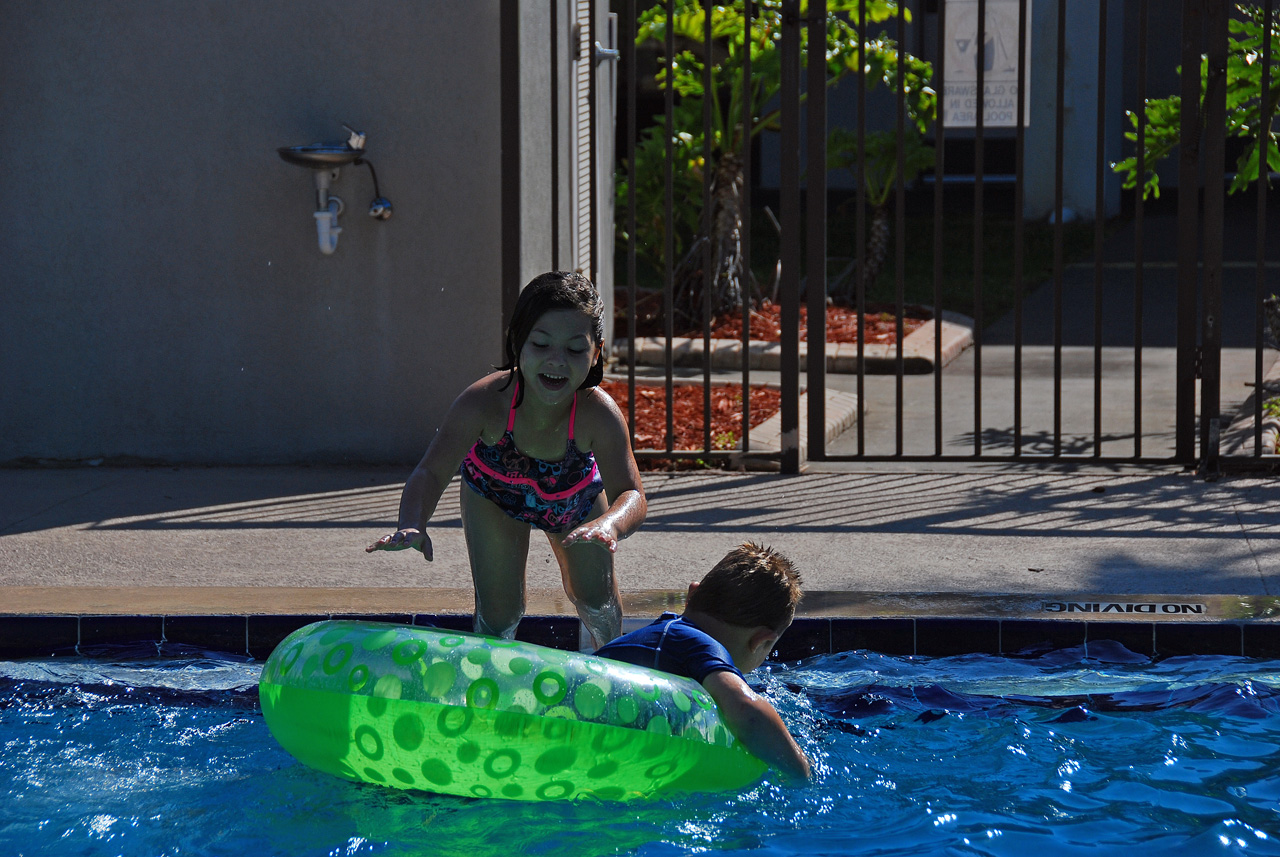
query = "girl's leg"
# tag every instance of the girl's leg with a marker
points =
(499, 549)
(587, 571)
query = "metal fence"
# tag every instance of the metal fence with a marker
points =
(1088, 394)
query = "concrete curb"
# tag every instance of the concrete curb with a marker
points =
(766, 439)
(918, 351)
(1238, 438)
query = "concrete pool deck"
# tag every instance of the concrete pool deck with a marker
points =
(1000, 545)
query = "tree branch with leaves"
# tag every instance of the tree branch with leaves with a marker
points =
(729, 48)
(1247, 105)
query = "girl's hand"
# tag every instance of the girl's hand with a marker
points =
(402, 539)
(595, 533)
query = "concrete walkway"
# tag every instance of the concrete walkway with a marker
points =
(277, 540)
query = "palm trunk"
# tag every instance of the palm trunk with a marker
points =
(877, 245)
(728, 279)
(726, 234)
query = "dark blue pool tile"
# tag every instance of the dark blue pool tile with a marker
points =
(888, 636)
(106, 631)
(445, 622)
(1031, 636)
(1137, 637)
(266, 632)
(937, 636)
(393, 618)
(1261, 640)
(1196, 638)
(805, 638)
(37, 636)
(554, 632)
(216, 633)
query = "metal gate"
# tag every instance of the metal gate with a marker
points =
(1052, 381)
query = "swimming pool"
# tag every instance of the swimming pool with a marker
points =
(1057, 754)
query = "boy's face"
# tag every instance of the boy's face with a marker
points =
(761, 644)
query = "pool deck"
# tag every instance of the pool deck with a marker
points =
(972, 557)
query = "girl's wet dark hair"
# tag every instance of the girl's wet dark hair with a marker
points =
(554, 290)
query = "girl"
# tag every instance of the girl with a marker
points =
(536, 444)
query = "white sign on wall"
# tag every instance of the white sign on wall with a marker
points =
(1000, 61)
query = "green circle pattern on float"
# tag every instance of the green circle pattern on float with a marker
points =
(462, 714)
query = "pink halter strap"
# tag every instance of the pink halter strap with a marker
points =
(511, 415)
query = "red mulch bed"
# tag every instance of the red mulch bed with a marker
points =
(880, 323)
(689, 420)
(880, 326)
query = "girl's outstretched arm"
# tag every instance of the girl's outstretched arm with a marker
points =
(462, 425)
(611, 445)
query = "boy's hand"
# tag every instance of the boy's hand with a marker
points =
(594, 533)
(402, 539)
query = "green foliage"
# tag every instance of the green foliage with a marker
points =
(998, 248)
(881, 158)
(880, 61)
(1246, 107)
(686, 170)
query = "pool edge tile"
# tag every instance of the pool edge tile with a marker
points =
(113, 630)
(37, 636)
(1199, 638)
(940, 637)
(553, 632)
(1137, 637)
(888, 636)
(264, 633)
(804, 639)
(1261, 640)
(1023, 635)
(215, 633)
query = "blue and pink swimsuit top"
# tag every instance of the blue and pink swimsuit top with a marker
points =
(554, 496)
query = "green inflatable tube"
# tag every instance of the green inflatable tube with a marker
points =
(462, 714)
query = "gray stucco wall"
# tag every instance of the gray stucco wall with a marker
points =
(162, 296)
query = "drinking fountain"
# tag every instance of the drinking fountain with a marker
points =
(324, 161)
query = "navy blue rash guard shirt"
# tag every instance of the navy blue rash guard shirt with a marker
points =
(673, 645)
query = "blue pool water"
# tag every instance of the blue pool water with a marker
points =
(1059, 754)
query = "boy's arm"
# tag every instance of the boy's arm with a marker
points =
(756, 724)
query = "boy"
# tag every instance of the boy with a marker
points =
(732, 620)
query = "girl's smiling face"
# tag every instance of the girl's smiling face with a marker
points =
(558, 354)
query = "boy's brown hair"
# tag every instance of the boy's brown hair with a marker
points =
(753, 585)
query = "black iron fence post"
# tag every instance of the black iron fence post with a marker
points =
(791, 252)
(1215, 110)
(1188, 232)
(816, 223)
(1260, 252)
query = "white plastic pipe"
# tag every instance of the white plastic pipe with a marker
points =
(327, 228)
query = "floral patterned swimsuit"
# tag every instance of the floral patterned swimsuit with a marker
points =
(554, 496)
